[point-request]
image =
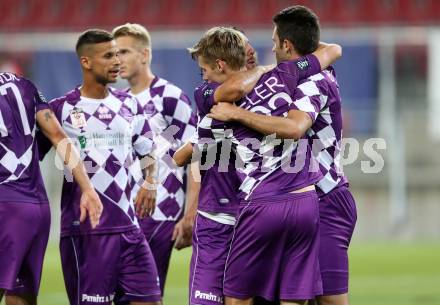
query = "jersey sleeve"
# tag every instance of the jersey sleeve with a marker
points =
(301, 68)
(40, 101)
(204, 97)
(178, 112)
(307, 98)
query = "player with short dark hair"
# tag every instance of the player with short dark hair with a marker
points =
(114, 262)
(318, 96)
(213, 57)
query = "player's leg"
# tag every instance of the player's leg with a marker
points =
(137, 277)
(211, 241)
(90, 264)
(337, 221)
(340, 299)
(300, 278)
(257, 249)
(23, 299)
(28, 279)
(158, 235)
(235, 301)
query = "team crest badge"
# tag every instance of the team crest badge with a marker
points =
(78, 118)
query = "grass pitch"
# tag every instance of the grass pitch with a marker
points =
(381, 274)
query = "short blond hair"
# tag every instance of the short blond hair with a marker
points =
(223, 43)
(134, 30)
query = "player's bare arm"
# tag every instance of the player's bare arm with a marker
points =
(293, 126)
(90, 202)
(327, 53)
(242, 83)
(182, 234)
(239, 84)
(183, 155)
(146, 197)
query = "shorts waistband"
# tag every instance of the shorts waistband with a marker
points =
(284, 197)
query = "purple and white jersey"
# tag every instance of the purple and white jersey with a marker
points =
(173, 123)
(320, 92)
(20, 176)
(219, 179)
(273, 166)
(108, 132)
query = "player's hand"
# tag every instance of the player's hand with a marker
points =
(224, 112)
(145, 200)
(90, 204)
(182, 234)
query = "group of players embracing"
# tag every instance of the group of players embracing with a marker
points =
(263, 202)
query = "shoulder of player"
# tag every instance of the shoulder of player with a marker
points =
(205, 89)
(72, 96)
(322, 79)
(121, 95)
(170, 90)
(18, 80)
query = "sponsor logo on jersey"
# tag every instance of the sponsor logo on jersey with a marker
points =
(209, 296)
(104, 113)
(302, 65)
(208, 92)
(97, 298)
(82, 141)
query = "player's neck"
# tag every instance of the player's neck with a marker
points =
(94, 91)
(141, 82)
(294, 56)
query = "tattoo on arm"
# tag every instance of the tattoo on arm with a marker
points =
(48, 115)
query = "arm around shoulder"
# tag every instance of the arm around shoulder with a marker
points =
(327, 53)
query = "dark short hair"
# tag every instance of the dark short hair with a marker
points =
(300, 26)
(92, 36)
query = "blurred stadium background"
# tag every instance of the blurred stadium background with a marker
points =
(390, 86)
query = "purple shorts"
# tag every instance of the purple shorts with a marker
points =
(24, 231)
(337, 211)
(158, 235)
(274, 250)
(100, 268)
(211, 242)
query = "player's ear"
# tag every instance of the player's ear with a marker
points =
(220, 65)
(85, 62)
(288, 47)
(146, 56)
(285, 45)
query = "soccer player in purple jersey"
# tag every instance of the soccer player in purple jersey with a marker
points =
(173, 110)
(24, 206)
(318, 96)
(218, 202)
(113, 262)
(218, 68)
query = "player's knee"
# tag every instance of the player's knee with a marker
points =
(333, 300)
(25, 299)
(234, 301)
